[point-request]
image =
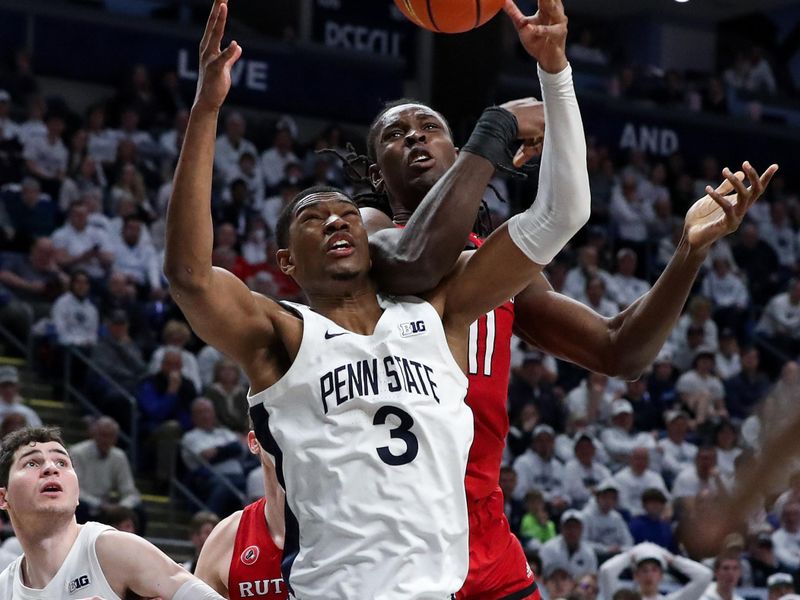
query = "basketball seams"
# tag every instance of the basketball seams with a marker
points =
(430, 14)
(477, 13)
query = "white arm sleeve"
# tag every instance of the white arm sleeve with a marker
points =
(563, 202)
(699, 578)
(194, 589)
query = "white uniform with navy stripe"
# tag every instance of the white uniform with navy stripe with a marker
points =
(370, 435)
(80, 576)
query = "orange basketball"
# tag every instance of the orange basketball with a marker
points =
(449, 16)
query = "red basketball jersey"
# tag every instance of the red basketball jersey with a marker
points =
(489, 355)
(255, 570)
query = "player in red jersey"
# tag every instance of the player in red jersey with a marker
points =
(412, 157)
(241, 559)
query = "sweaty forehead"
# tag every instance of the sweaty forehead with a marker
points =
(317, 198)
(407, 111)
(40, 448)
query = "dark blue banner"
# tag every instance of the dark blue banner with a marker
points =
(376, 27)
(280, 78)
(12, 30)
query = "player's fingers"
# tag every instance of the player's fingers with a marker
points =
(737, 180)
(231, 54)
(513, 11)
(723, 201)
(212, 19)
(544, 30)
(218, 30)
(766, 177)
(526, 152)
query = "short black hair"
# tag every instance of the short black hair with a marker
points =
(285, 218)
(373, 128)
(24, 437)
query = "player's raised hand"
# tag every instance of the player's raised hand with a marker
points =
(721, 211)
(544, 35)
(529, 113)
(214, 80)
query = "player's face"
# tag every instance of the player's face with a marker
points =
(413, 150)
(327, 243)
(41, 481)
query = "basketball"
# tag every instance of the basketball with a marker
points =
(449, 16)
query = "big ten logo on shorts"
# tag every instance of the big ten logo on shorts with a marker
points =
(412, 328)
(249, 74)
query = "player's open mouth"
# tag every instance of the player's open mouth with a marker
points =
(51, 488)
(340, 245)
(419, 158)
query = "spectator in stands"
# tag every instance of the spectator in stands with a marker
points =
(102, 142)
(778, 233)
(46, 158)
(171, 140)
(584, 49)
(75, 318)
(10, 399)
(104, 472)
(780, 321)
(122, 518)
(539, 469)
(229, 396)
(31, 213)
(34, 126)
(219, 447)
(647, 411)
(727, 573)
(672, 90)
(786, 540)
(649, 562)
(661, 381)
(728, 361)
(758, 261)
(591, 399)
(594, 296)
(779, 585)
(231, 145)
(701, 391)
(654, 524)
(619, 439)
(587, 267)
(137, 259)
(87, 180)
(715, 100)
(536, 528)
(792, 494)
(165, 395)
(118, 356)
(129, 185)
(249, 170)
(121, 295)
(728, 294)
(634, 479)
(275, 159)
(200, 527)
(760, 79)
(558, 583)
(520, 431)
(12, 422)
(702, 477)
(568, 548)
(631, 213)
(129, 131)
(725, 442)
(604, 528)
(80, 246)
(582, 473)
(625, 286)
(514, 509)
(676, 453)
(9, 129)
(697, 317)
(176, 335)
(528, 385)
(35, 281)
(761, 558)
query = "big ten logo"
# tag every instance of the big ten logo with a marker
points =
(249, 74)
(655, 140)
(363, 39)
(78, 583)
(412, 328)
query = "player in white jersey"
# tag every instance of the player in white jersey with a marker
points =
(66, 561)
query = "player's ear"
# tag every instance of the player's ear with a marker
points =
(376, 177)
(3, 499)
(252, 443)
(285, 261)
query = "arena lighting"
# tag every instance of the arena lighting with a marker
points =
(681, 1)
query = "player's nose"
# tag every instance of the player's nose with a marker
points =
(414, 136)
(335, 223)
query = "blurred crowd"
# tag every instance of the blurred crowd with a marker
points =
(594, 466)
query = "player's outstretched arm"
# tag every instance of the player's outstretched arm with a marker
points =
(414, 259)
(219, 306)
(132, 564)
(626, 344)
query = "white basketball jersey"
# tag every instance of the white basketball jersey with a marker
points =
(370, 435)
(79, 577)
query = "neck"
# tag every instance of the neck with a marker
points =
(45, 547)
(725, 591)
(402, 210)
(273, 512)
(357, 311)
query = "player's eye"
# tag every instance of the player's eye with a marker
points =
(32, 463)
(61, 463)
(393, 134)
(431, 126)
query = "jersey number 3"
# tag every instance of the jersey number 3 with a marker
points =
(474, 348)
(401, 432)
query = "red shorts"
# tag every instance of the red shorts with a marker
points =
(498, 569)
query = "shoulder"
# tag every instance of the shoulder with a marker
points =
(223, 535)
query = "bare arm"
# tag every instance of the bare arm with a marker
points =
(215, 557)
(626, 344)
(131, 563)
(218, 305)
